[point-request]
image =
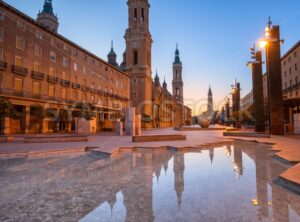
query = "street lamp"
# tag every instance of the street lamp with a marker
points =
(271, 43)
(258, 95)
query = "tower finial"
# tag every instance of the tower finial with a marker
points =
(270, 22)
(112, 44)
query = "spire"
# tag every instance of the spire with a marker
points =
(47, 17)
(177, 60)
(112, 52)
(48, 9)
(165, 84)
(112, 56)
(156, 79)
(209, 91)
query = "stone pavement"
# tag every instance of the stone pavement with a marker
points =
(288, 147)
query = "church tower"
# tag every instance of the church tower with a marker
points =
(112, 56)
(210, 106)
(138, 55)
(177, 78)
(47, 17)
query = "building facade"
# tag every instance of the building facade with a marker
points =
(39, 66)
(138, 56)
(290, 64)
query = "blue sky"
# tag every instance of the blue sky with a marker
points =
(214, 36)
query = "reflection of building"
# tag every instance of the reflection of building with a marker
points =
(39, 66)
(179, 175)
(211, 155)
(238, 161)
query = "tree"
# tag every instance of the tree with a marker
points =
(85, 111)
(37, 111)
(6, 110)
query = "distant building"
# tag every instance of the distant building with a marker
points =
(210, 103)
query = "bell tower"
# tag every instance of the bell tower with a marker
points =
(138, 55)
(177, 78)
(47, 17)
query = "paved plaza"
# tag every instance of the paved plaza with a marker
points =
(286, 147)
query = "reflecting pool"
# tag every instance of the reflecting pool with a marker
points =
(230, 182)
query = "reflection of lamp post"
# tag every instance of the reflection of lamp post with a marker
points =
(258, 94)
(273, 63)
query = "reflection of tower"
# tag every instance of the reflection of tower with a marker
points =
(211, 155)
(261, 157)
(228, 150)
(238, 161)
(47, 17)
(178, 167)
(138, 191)
(112, 201)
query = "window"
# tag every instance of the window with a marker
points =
(20, 43)
(1, 15)
(75, 95)
(64, 76)
(1, 54)
(38, 50)
(143, 15)
(177, 74)
(37, 67)
(52, 56)
(38, 34)
(84, 70)
(19, 61)
(75, 53)
(92, 98)
(177, 92)
(85, 58)
(296, 67)
(65, 47)
(52, 41)
(21, 25)
(84, 97)
(296, 80)
(51, 91)
(18, 84)
(65, 62)
(135, 14)
(1, 34)
(295, 54)
(291, 83)
(135, 58)
(285, 84)
(75, 66)
(63, 93)
(51, 71)
(36, 88)
(290, 70)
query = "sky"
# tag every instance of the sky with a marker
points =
(214, 36)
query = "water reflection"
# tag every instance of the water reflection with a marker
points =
(227, 183)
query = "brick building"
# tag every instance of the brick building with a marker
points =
(39, 66)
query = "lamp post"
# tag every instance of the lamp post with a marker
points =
(258, 94)
(273, 64)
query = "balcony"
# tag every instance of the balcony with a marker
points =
(19, 70)
(37, 75)
(94, 91)
(36, 96)
(52, 79)
(100, 92)
(85, 88)
(70, 101)
(3, 65)
(75, 85)
(65, 83)
(18, 93)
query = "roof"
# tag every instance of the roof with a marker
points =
(289, 52)
(36, 23)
